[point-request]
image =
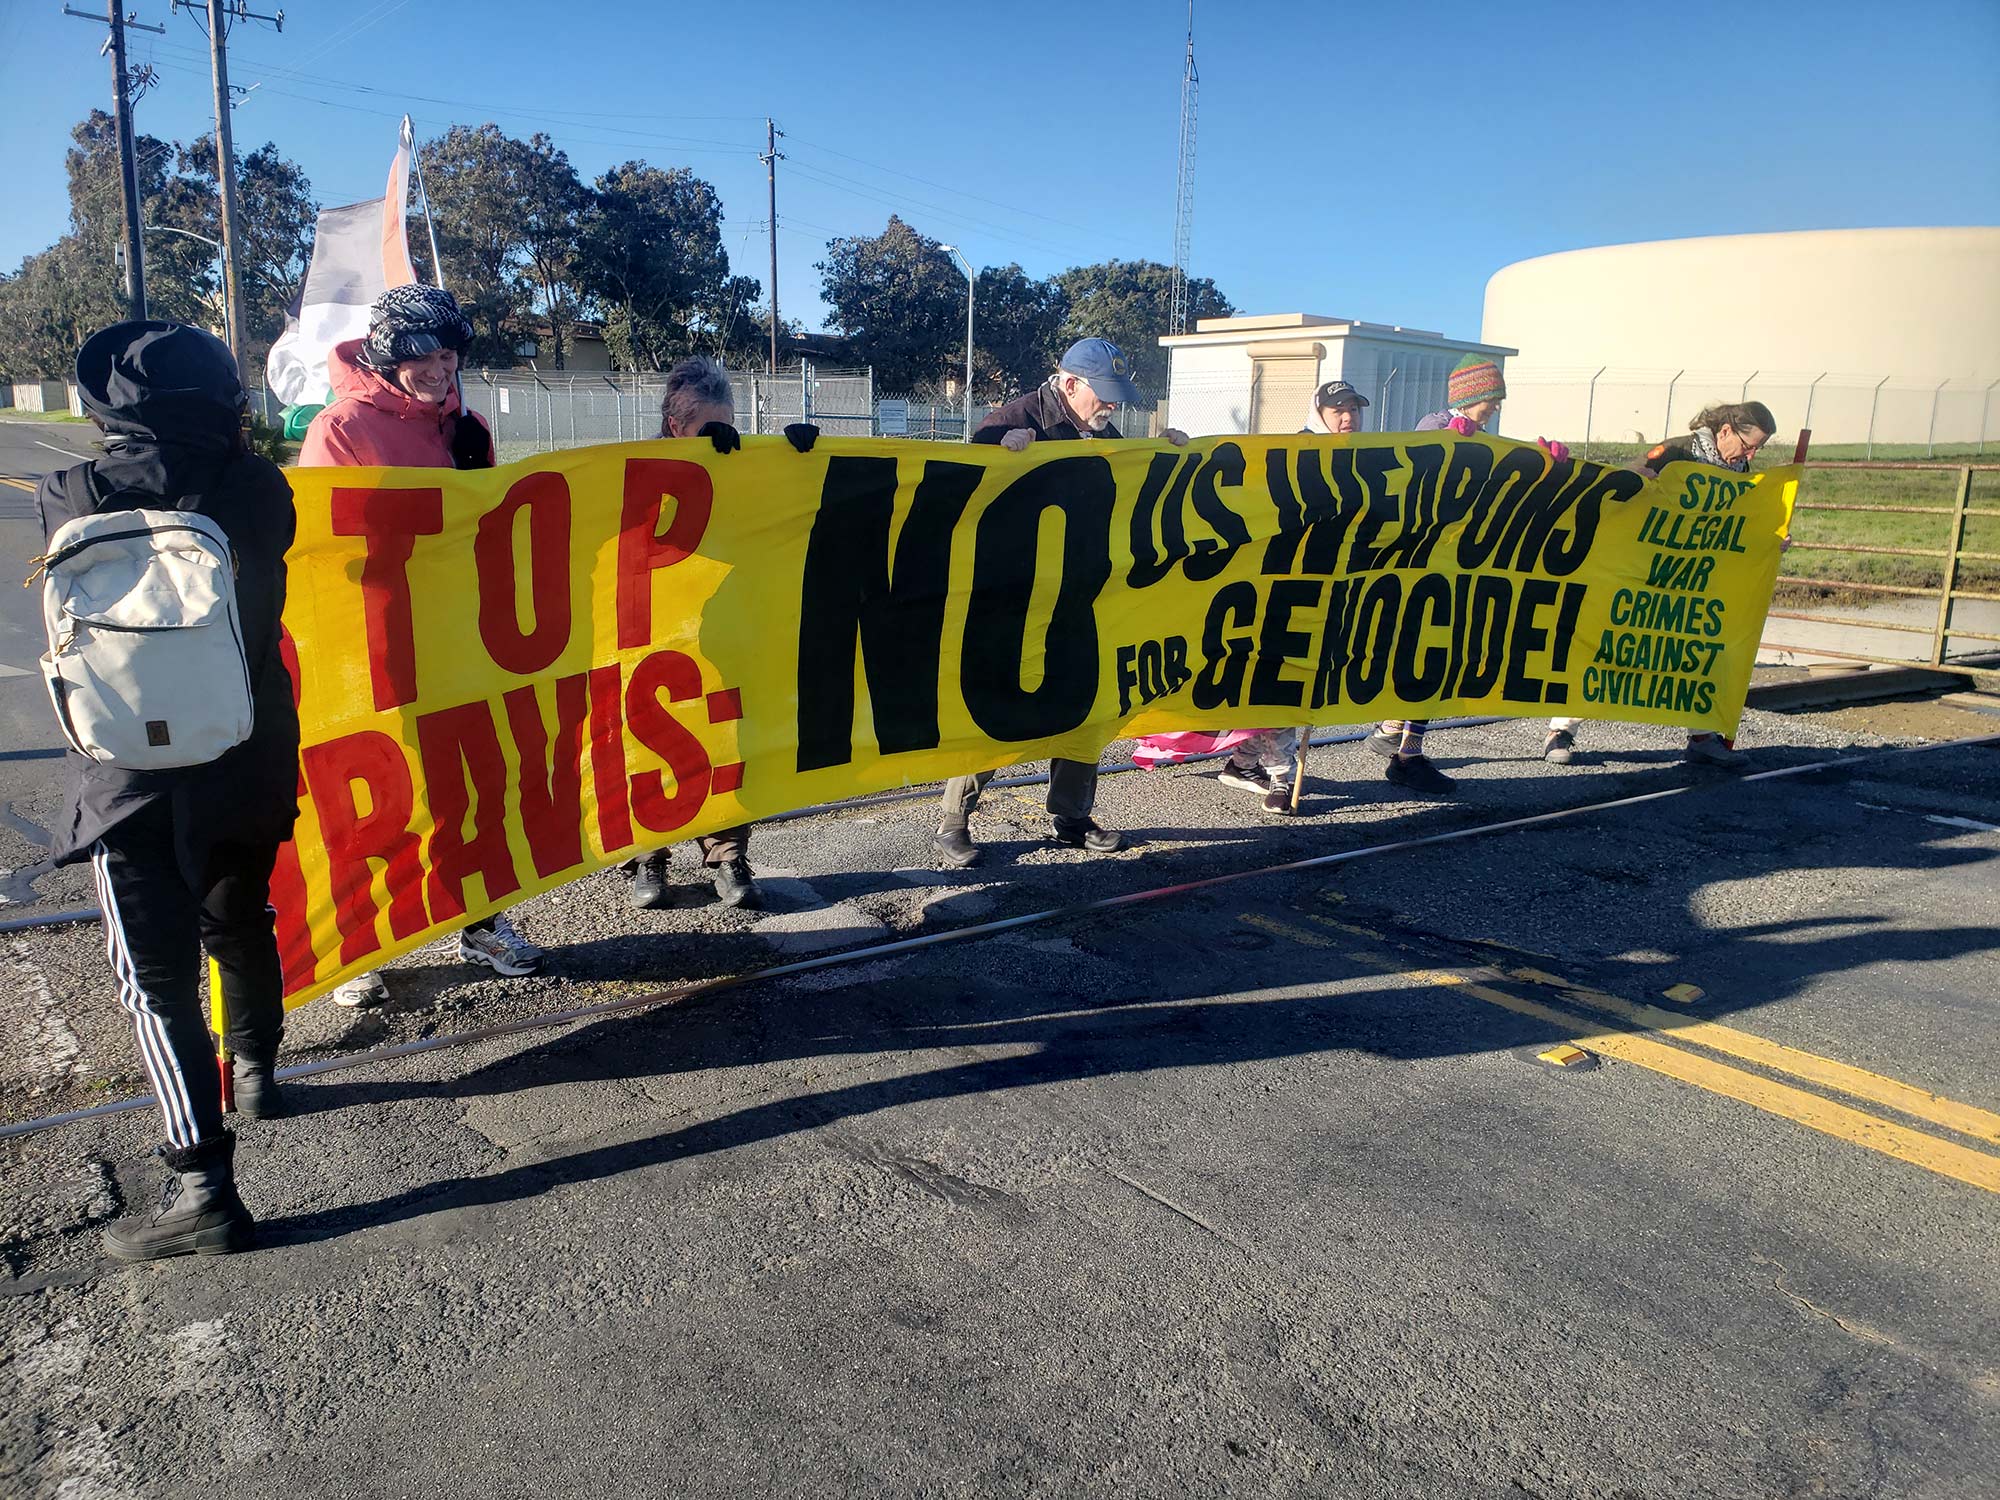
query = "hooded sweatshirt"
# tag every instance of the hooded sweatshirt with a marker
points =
(374, 421)
(170, 403)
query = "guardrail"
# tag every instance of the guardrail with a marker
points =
(1947, 592)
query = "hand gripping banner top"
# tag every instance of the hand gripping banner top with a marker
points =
(512, 677)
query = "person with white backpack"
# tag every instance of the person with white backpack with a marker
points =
(164, 590)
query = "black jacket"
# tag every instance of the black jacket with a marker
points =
(1042, 412)
(173, 446)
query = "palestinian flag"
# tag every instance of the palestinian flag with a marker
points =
(359, 252)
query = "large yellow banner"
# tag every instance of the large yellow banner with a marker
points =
(510, 678)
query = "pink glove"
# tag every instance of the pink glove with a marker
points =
(1556, 449)
(1463, 426)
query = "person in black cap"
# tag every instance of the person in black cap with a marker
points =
(1092, 380)
(1336, 408)
(183, 858)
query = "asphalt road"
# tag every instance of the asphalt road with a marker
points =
(1256, 1189)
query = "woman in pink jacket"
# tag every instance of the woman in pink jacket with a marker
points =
(397, 404)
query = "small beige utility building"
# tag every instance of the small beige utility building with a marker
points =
(1258, 374)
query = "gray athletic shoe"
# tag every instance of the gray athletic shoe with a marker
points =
(1714, 750)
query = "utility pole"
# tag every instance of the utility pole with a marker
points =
(770, 158)
(128, 159)
(221, 14)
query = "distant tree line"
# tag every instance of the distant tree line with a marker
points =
(530, 249)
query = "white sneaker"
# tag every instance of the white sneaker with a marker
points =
(500, 948)
(362, 991)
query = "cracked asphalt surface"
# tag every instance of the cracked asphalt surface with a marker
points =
(1257, 1189)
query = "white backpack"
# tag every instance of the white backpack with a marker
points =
(145, 665)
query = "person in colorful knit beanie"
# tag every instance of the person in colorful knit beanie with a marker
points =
(1472, 398)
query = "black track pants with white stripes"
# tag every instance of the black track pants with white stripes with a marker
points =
(155, 926)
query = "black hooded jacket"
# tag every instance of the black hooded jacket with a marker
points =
(170, 403)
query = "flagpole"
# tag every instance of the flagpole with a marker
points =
(424, 192)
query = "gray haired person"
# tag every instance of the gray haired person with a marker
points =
(700, 402)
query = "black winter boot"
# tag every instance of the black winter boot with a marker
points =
(199, 1212)
(255, 1089)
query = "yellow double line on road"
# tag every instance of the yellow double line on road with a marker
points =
(1814, 1111)
(19, 484)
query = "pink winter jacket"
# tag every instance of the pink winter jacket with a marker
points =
(373, 421)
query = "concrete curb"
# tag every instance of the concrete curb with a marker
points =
(1833, 689)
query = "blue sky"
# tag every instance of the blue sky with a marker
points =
(1377, 162)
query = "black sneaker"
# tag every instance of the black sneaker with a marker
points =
(199, 1212)
(955, 847)
(1088, 837)
(1278, 802)
(1559, 747)
(649, 890)
(1416, 773)
(1245, 778)
(255, 1089)
(734, 885)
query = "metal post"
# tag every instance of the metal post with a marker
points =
(1810, 390)
(572, 411)
(1383, 395)
(1930, 438)
(1874, 399)
(1985, 401)
(1667, 429)
(1942, 633)
(1590, 408)
(1744, 394)
(805, 390)
(970, 283)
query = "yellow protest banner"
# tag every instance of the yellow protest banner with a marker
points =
(512, 677)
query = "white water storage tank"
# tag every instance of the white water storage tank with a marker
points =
(1898, 329)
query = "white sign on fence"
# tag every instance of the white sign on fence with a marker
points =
(503, 400)
(892, 418)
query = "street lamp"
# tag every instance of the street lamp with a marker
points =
(970, 282)
(228, 335)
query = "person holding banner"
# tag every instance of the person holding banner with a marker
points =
(700, 402)
(1336, 409)
(1092, 380)
(183, 857)
(398, 404)
(1724, 436)
(1265, 762)
(1472, 398)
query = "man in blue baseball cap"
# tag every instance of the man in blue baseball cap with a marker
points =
(1092, 380)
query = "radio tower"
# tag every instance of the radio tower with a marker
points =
(1177, 319)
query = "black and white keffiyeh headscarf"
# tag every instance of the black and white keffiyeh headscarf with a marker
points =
(408, 322)
(1703, 442)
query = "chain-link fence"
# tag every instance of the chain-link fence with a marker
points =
(1872, 416)
(535, 411)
